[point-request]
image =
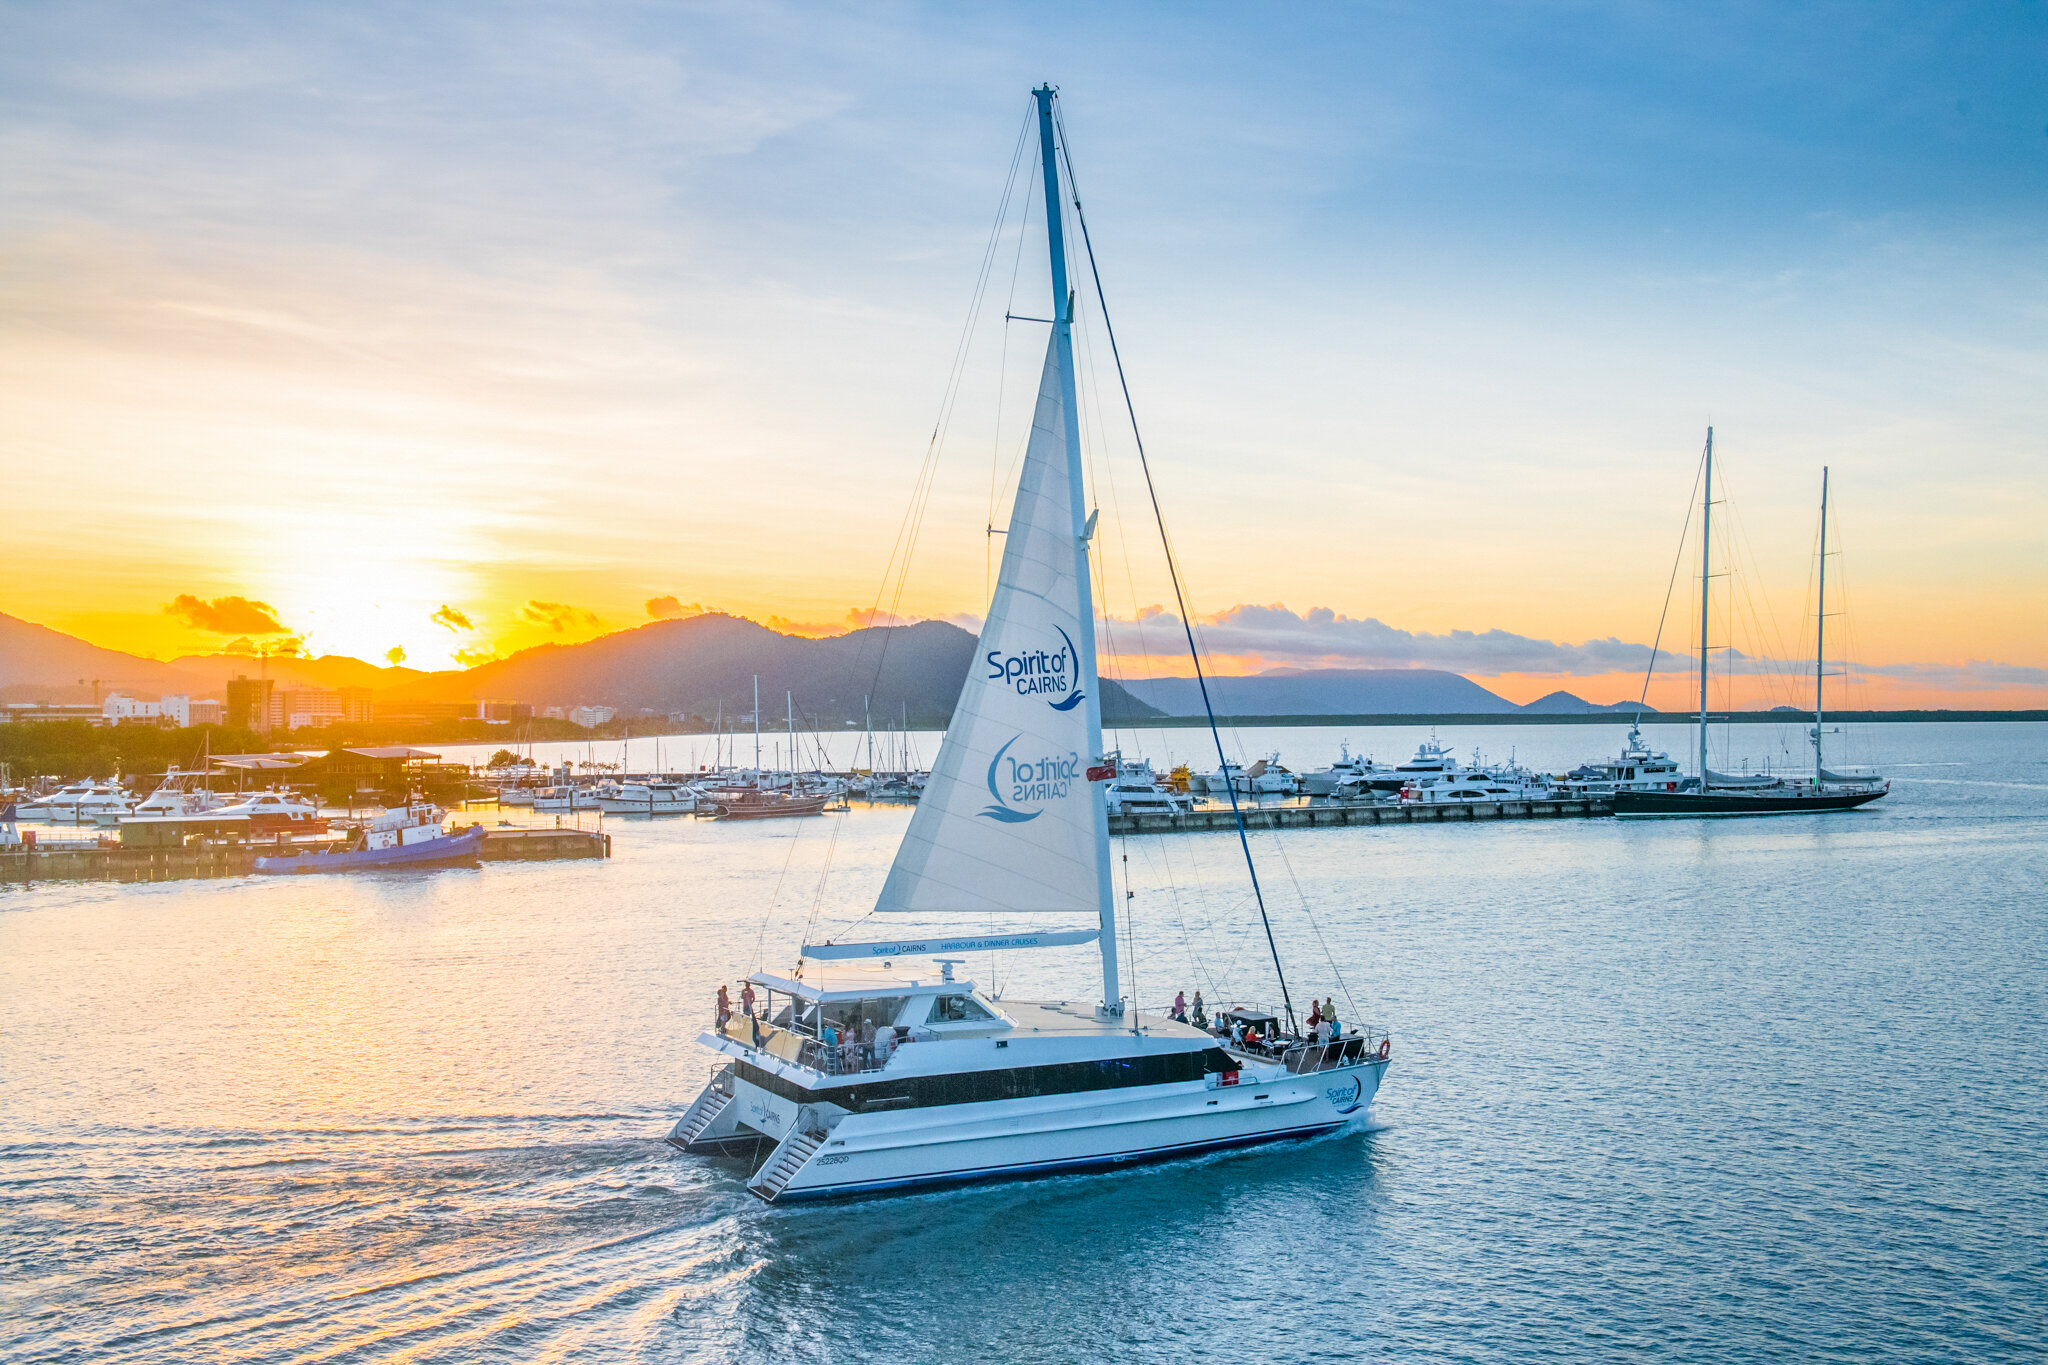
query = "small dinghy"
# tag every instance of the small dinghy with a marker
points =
(410, 836)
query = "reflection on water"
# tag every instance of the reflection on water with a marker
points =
(1754, 1089)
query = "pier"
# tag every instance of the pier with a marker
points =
(1343, 813)
(109, 862)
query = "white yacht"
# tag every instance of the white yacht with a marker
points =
(1475, 784)
(180, 793)
(563, 798)
(644, 798)
(1637, 770)
(79, 803)
(862, 1081)
(1431, 760)
(274, 812)
(1350, 774)
(1135, 790)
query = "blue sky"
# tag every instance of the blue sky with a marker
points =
(1426, 305)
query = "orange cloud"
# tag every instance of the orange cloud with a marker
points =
(451, 618)
(669, 608)
(226, 615)
(558, 616)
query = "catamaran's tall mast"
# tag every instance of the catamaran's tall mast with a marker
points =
(1063, 332)
(1820, 627)
(1706, 578)
(757, 729)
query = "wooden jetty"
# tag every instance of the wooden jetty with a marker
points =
(109, 862)
(1340, 813)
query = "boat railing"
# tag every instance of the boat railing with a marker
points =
(1359, 1046)
(831, 1059)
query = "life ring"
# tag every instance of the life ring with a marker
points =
(1386, 1046)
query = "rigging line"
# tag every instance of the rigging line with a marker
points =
(995, 461)
(762, 938)
(913, 520)
(1280, 847)
(1117, 515)
(1172, 569)
(1671, 587)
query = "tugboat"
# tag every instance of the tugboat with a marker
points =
(1721, 794)
(858, 1080)
(407, 836)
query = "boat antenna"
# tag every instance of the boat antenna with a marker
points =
(1173, 572)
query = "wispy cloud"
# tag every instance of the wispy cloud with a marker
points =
(1322, 638)
(451, 618)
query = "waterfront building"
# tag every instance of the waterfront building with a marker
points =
(590, 717)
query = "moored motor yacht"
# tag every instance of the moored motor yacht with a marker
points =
(1637, 769)
(79, 803)
(863, 1081)
(180, 793)
(1137, 790)
(275, 812)
(1351, 773)
(563, 798)
(644, 798)
(1431, 759)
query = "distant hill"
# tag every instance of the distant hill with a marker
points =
(40, 664)
(1326, 692)
(212, 671)
(705, 664)
(1568, 704)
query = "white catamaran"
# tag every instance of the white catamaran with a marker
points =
(858, 1080)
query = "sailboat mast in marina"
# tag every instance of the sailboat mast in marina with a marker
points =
(862, 1076)
(1721, 794)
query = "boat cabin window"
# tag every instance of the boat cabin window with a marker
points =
(852, 1017)
(958, 1009)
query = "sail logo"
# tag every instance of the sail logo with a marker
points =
(1027, 781)
(1052, 674)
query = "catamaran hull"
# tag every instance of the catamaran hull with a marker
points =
(1630, 805)
(877, 1153)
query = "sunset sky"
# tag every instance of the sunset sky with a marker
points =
(544, 320)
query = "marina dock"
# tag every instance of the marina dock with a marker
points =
(1341, 813)
(113, 863)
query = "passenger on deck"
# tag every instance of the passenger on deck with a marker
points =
(1201, 1015)
(1330, 1018)
(747, 997)
(885, 1043)
(1315, 1014)
(1180, 1006)
(724, 1006)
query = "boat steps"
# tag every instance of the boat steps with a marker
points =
(789, 1157)
(700, 1117)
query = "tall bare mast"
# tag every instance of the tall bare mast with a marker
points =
(1820, 627)
(1706, 577)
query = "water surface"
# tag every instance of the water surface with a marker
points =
(1700, 1090)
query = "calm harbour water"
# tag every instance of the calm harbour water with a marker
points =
(1699, 1090)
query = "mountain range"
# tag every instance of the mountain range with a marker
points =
(707, 665)
(41, 664)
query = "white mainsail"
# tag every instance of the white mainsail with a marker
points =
(1009, 818)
